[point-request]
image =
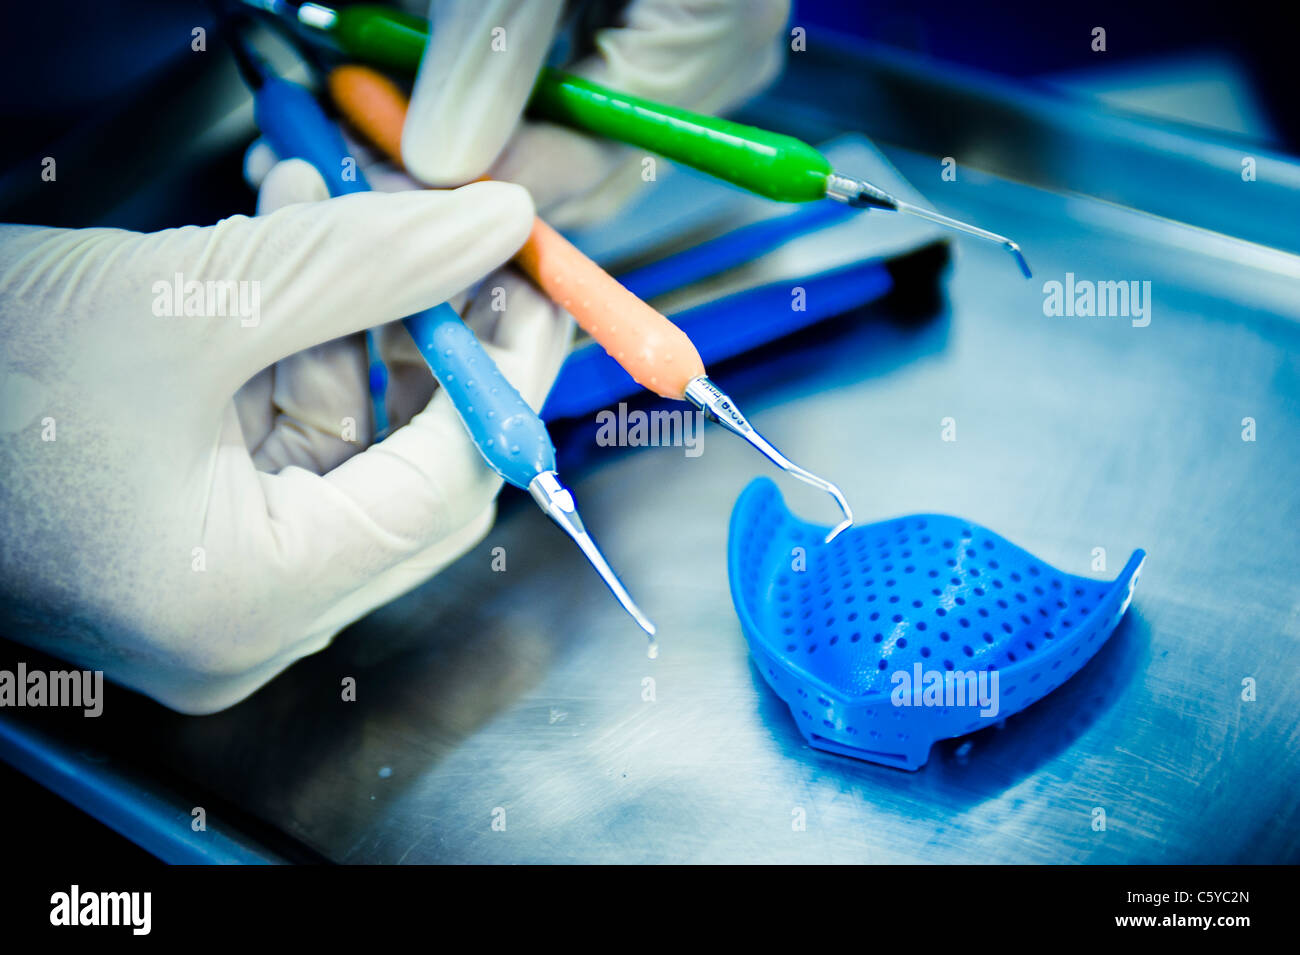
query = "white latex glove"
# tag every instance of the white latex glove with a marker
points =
(464, 121)
(143, 539)
(304, 388)
(291, 412)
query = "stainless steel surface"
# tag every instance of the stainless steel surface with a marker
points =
(511, 717)
(1035, 135)
(718, 406)
(519, 697)
(131, 801)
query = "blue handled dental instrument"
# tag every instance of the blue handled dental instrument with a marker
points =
(283, 112)
(506, 430)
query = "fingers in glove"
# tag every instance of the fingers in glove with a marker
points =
(314, 272)
(475, 77)
(317, 402)
(397, 499)
(259, 160)
(706, 57)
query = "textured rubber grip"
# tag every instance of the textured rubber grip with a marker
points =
(655, 352)
(769, 164)
(508, 433)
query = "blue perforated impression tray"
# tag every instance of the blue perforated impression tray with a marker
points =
(899, 634)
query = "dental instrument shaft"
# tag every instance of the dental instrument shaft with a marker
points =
(863, 195)
(656, 353)
(766, 163)
(718, 406)
(557, 501)
(506, 430)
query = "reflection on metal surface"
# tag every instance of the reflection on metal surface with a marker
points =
(484, 691)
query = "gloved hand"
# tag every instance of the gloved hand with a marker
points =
(482, 61)
(290, 411)
(138, 534)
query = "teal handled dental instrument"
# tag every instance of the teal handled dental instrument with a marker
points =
(507, 431)
(768, 164)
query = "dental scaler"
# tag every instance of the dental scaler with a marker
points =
(507, 431)
(656, 353)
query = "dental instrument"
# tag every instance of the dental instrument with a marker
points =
(507, 432)
(656, 353)
(768, 164)
(284, 112)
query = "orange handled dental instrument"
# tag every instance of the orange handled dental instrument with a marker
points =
(656, 353)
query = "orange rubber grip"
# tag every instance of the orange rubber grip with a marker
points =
(655, 352)
(373, 105)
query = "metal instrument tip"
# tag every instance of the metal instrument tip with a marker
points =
(719, 406)
(1014, 249)
(863, 195)
(557, 501)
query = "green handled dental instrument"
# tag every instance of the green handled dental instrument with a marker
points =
(765, 163)
(768, 164)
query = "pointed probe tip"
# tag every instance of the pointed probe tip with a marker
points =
(838, 529)
(1019, 256)
(643, 621)
(625, 599)
(557, 502)
(843, 502)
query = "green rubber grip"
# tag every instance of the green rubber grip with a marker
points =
(381, 36)
(770, 164)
